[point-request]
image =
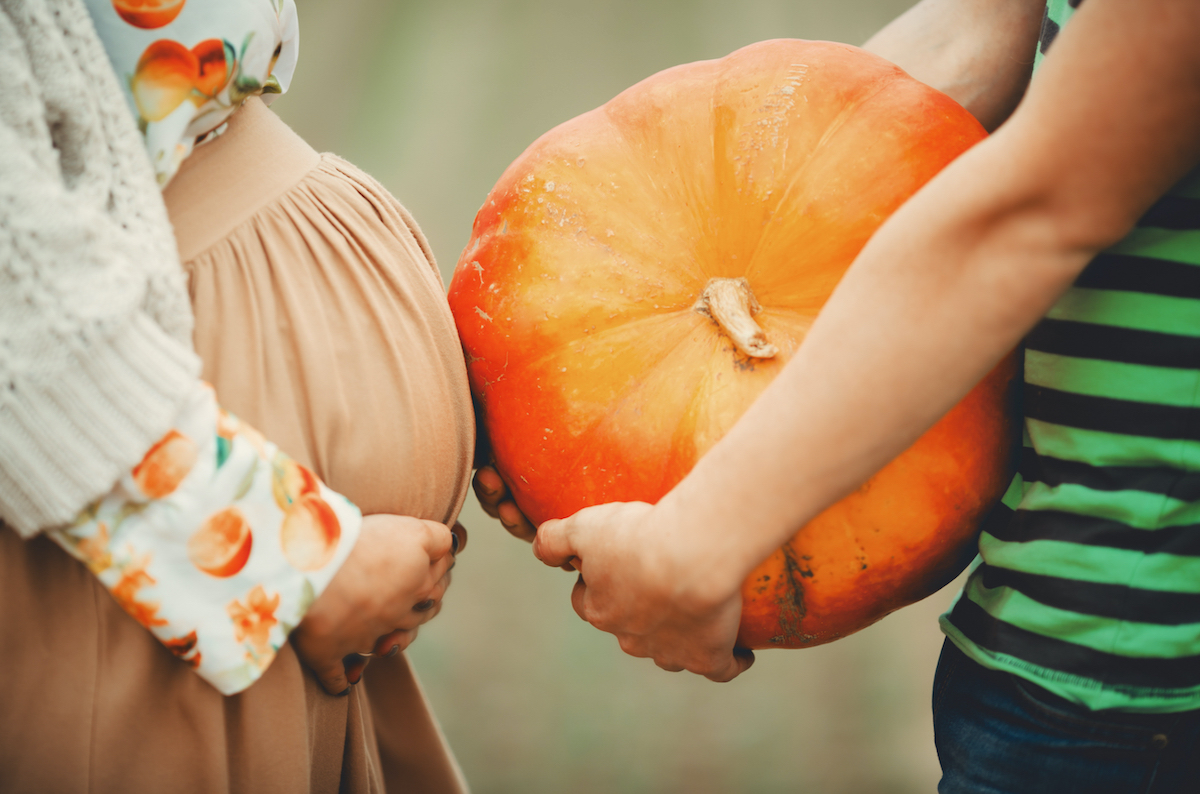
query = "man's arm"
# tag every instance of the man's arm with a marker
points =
(980, 52)
(957, 276)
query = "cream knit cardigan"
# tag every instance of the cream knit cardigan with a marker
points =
(95, 326)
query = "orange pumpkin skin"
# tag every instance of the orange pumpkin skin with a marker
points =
(598, 381)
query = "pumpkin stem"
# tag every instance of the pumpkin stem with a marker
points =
(730, 303)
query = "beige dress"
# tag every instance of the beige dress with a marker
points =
(321, 320)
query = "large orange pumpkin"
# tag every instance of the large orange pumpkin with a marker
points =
(638, 276)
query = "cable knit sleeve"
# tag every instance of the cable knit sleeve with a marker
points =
(95, 355)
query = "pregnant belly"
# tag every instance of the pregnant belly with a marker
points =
(321, 321)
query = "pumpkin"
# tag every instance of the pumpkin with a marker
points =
(640, 274)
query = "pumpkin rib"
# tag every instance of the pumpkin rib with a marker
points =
(831, 135)
(707, 394)
(593, 427)
(692, 266)
(835, 126)
(886, 80)
(696, 196)
(653, 316)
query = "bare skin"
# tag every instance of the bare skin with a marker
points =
(958, 275)
(983, 60)
(392, 582)
(496, 501)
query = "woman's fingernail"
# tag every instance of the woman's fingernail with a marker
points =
(343, 693)
(355, 679)
(395, 650)
(424, 606)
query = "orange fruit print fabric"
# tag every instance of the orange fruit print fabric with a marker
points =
(216, 542)
(186, 65)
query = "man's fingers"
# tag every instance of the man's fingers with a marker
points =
(634, 646)
(558, 540)
(738, 663)
(496, 500)
(578, 596)
(515, 521)
(553, 543)
(489, 489)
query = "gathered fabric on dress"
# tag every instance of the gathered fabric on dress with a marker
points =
(321, 318)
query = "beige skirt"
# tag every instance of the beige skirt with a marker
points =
(321, 320)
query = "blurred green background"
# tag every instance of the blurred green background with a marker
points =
(434, 99)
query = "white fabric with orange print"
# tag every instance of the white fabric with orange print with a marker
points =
(216, 542)
(185, 65)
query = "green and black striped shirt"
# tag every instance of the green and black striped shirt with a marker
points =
(1088, 580)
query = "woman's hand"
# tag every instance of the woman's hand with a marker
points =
(642, 580)
(392, 582)
(497, 501)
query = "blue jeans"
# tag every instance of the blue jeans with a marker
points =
(999, 734)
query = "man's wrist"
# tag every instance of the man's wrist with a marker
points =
(712, 555)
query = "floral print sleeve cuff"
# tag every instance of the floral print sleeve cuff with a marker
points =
(216, 542)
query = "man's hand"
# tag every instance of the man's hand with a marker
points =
(642, 581)
(392, 582)
(497, 501)
(955, 278)
(493, 493)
